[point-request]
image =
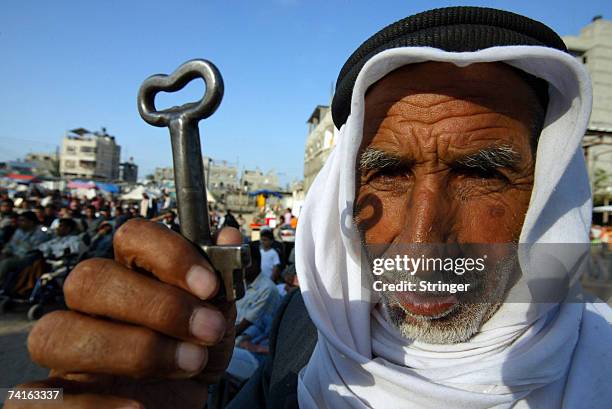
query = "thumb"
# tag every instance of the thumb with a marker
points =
(228, 235)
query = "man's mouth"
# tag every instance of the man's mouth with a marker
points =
(425, 305)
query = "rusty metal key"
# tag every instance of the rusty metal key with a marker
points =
(230, 261)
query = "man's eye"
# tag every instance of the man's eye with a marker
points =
(395, 179)
(476, 173)
(490, 179)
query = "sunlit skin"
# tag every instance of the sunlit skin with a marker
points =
(432, 116)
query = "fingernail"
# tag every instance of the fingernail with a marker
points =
(190, 357)
(208, 325)
(201, 282)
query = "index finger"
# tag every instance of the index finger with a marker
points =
(141, 244)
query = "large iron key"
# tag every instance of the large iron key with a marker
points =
(182, 122)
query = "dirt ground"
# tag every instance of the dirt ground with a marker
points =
(15, 363)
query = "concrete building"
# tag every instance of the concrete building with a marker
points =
(16, 166)
(252, 180)
(90, 155)
(593, 47)
(220, 175)
(43, 163)
(162, 175)
(128, 171)
(319, 142)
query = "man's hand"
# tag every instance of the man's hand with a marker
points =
(142, 330)
(256, 348)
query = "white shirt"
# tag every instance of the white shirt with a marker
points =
(269, 259)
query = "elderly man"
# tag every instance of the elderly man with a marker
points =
(17, 254)
(457, 126)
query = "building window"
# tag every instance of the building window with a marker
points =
(88, 149)
(86, 164)
(71, 149)
(69, 164)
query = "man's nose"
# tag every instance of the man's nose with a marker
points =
(428, 215)
(428, 223)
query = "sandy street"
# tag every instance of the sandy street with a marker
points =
(15, 365)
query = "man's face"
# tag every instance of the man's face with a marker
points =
(90, 213)
(63, 229)
(266, 243)
(446, 158)
(65, 212)
(6, 207)
(25, 223)
(105, 229)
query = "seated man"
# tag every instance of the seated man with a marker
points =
(45, 215)
(66, 241)
(120, 216)
(290, 281)
(255, 315)
(91, 220)
(102, 243)
(17, 254)
(50, 214)
(67, 212)
(457, 126)
(260, 301)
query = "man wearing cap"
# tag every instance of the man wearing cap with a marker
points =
(457, 125)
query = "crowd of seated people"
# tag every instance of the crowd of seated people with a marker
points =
(64, 226)
(39, 229)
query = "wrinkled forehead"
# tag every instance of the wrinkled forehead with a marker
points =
(461, 99)
(493, 85)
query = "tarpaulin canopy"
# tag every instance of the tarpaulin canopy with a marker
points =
(136, 193)
(265, 192)
(81, 184)
(108, 187)
(23, 178)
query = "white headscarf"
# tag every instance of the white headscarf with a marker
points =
(526, 355)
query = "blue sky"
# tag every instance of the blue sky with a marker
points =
(67, 64)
